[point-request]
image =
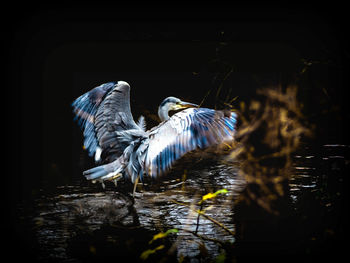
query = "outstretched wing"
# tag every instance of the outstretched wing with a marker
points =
(186, 131)
(101, 113)
(85, 108)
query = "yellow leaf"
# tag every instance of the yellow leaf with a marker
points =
(157, 236)
(145, 254)
(208, 196)
(162, 235)
(221, 191)
(213, 195)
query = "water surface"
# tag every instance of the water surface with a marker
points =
(81, 221)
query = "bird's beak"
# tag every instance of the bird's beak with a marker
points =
(184, 104)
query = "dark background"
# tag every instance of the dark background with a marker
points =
(55, 54)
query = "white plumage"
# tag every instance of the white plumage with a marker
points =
(126, 148)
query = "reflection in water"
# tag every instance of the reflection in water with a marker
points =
(321, 174)
(159, 211)
(76, 210)
(80, 221)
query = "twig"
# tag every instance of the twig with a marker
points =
(200, 209)
(206, 216)
(222, 84)
(205, 97)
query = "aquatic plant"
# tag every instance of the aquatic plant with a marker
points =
(145, 254)
(271, 130)
(201, 212)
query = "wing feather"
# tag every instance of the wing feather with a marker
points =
(184, 132)
(85, 108)
(102, 113)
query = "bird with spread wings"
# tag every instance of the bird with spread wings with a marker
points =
(124, 149)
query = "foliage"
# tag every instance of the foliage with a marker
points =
(271, 130)
(162, 235)
(145, 254)
(212, 195)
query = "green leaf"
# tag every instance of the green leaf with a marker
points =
(170, 231)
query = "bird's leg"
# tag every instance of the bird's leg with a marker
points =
(115, 181)
(135, 184)
(101, 181)
(116, 178)
(111, 176)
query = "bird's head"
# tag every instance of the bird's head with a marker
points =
(172, 104)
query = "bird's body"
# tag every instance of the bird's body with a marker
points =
(126, 148)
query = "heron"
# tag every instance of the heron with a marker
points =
(123, 148)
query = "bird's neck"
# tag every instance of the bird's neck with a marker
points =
(163, 114)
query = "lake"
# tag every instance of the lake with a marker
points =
(82, 222)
